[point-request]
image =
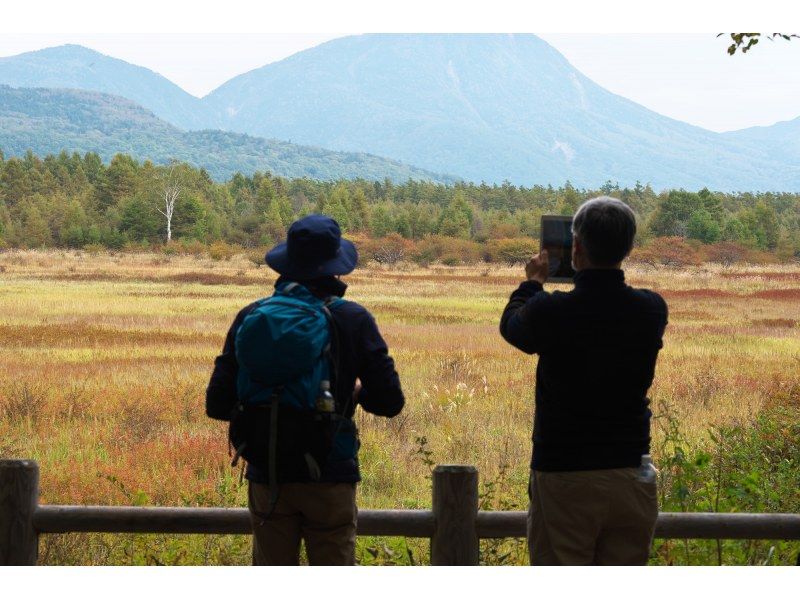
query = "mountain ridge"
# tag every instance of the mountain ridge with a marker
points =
(498, 107)
(196, 97)
(72, 66)
(487, 107)
(50, 120)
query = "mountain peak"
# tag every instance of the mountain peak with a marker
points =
(75, 49)
(61, 52)
(485, 106)
(72, 66)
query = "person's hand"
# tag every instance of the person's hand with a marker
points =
(538, 268)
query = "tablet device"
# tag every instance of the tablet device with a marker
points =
(557, 240)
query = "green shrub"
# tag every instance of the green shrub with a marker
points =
(219, 250)
(740, 468)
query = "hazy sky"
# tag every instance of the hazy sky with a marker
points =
(685, 76)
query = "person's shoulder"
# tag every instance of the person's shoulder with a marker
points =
(547, 304)
(245, 311)
(650, 298)
(354, 319)
(558, 297)
(349, 309)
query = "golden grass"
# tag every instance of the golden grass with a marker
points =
(104, 361)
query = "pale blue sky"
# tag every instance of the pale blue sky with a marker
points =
(685, 76)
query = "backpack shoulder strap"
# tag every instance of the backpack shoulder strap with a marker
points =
(333, 301)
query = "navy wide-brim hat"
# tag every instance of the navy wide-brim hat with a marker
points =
(314, 247)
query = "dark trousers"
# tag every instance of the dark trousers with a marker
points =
(321, 514)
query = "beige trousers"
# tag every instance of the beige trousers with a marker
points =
(321, 514)
(600, 517)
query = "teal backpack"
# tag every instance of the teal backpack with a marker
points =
(283, 348)
(286, 417)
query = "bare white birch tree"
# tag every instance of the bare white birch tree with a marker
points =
(169, 193)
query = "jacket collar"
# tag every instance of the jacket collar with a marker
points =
(592, 278)
(324, 287)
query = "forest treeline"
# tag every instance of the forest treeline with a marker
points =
(72, 200)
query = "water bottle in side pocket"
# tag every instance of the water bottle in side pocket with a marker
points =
(647, 471)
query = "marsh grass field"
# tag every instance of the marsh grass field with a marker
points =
(104, 360)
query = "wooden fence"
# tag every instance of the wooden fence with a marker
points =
(454, 524)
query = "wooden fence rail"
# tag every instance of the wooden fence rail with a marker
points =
(454, 524)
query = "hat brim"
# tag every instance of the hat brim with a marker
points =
(342, 263)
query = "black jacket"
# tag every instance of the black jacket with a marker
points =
(597, 347)
(362, 354)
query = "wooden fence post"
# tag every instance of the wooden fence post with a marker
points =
(455, 511)
(19, 497)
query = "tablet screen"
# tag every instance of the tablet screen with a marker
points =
(557, 239)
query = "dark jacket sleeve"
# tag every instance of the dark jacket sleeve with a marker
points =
(527, 322)
(381, 393)
(221, 391)
(664, 309)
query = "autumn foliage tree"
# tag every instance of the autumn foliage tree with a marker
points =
(388, 250)
(726, 253)
(666, 251)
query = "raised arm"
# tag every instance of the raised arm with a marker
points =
(527, 321)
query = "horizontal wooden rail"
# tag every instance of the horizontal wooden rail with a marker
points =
(454, 524)
(693, 526)
(730, 526)
(52, 519)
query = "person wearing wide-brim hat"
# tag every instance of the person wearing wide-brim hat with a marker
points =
(316, 506)
(314, 249)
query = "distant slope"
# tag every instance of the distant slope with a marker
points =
(76, 67)
(48, 121)
(780, 140)
(487, 107)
